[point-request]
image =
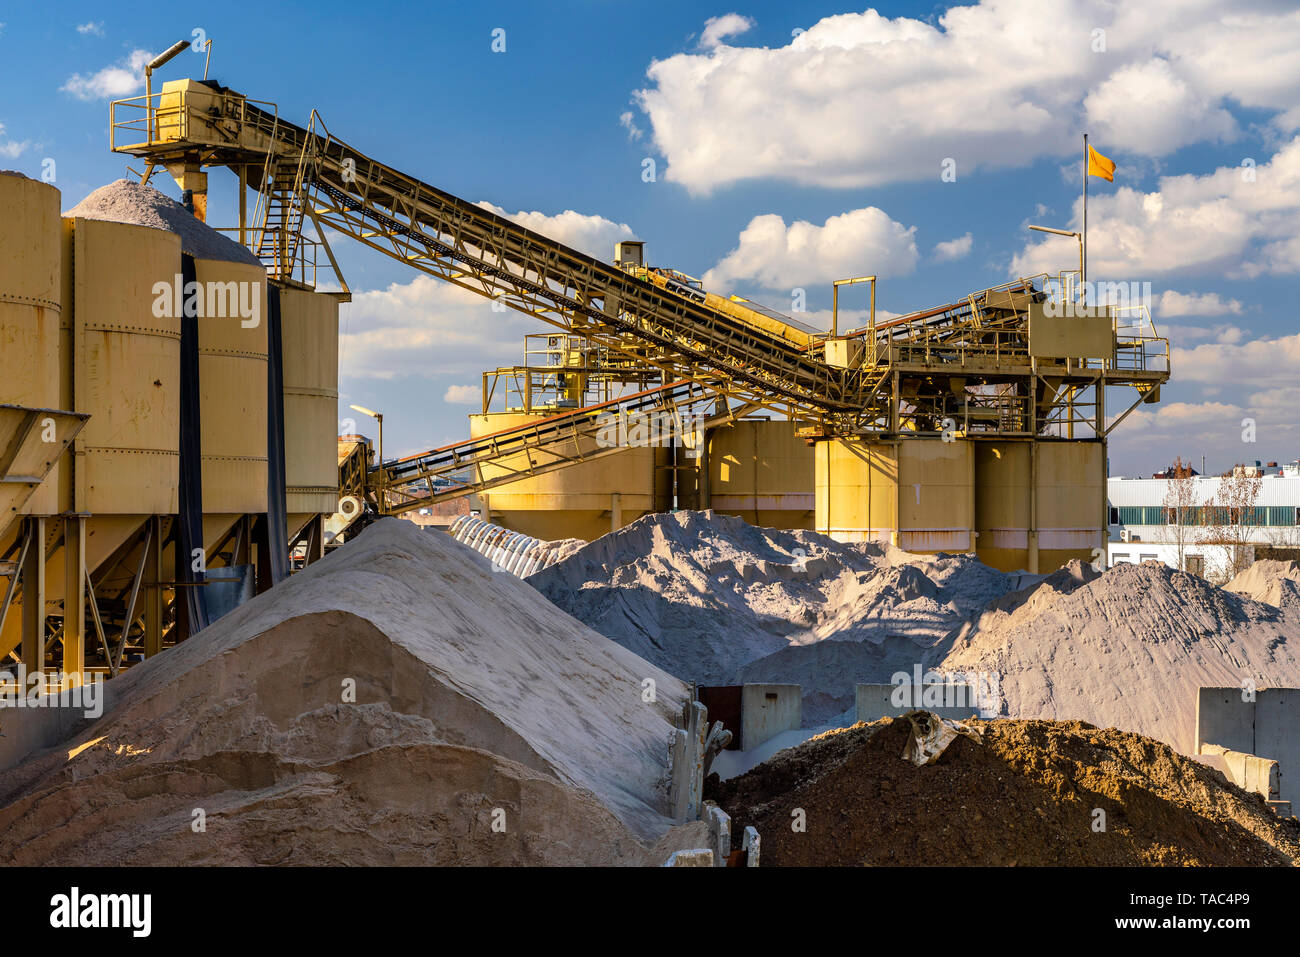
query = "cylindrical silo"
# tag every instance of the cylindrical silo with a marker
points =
(761, 471)
(309, 332)
(1003, 503)
(580, 501)
(30, 303)
(918, 494)
(232, 392)
(124, 365)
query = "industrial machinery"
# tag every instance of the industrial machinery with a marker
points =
(978, 425)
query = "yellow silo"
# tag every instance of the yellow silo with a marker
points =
(30, 306)
(1070, 492)
(30, 303)
(1003, 503)
(309, 331)
(232, 392)
(580, 501)
(761, 471)
(918, 494)
(1040, 503)
(123, 360)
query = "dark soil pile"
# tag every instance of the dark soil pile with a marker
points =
(1026, 796)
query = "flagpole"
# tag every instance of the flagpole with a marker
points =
(1083, 266)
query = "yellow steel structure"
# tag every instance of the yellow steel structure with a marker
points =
(898, 410)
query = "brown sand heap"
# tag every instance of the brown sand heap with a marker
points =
(709, 597)
(126, 201)
(1025, 796)
(1128, 649)
(1271, 582)
(472, 693)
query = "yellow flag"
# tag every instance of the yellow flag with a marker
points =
(1099, 165)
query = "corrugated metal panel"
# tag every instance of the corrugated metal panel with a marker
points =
(1273, 490)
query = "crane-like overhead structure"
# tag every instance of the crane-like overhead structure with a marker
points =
(999, 362)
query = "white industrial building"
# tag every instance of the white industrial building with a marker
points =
(1142, 528)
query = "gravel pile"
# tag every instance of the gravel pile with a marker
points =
(1028, 796)
(126, 201)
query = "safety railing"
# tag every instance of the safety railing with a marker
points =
(150, 122)
(1138, 345)
(298, 268)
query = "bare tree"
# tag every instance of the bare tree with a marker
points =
(1230, 518)
(1179, 505)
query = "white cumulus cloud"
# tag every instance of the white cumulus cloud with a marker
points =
(860, 99)
(774, 255)
(91, 29)
(11, 149)
(717, 29)
(427, 327)
(1147, 108)
(1242, 221)
(958, 248)
(463, 395)
(590, 234)
(628, 122)
(117, 80)
(1171, 303)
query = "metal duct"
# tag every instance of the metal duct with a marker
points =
(508, 551)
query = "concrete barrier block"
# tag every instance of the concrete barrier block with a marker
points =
(876, 701)
(686, 779)
(696, 857)
(1265, 728)
(751, 846)
(766, 710)
(719, 833)
(1223, 718)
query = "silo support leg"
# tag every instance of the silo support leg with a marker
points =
(315, 539)
(33, 646)
(74, 596)
(153, 590)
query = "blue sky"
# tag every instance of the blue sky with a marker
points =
(781, 161)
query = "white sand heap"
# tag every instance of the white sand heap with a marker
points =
(1129, 650)
(712, 599)
(472, 694)
(709, 598)
(126, 201)
(1272, 582)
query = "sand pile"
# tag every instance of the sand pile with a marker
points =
(472, 693)
(709, 598)
(701, 594)
(126, 201)
(1271, 582)
(1026, 796)
(1127, 649)
(712, 599)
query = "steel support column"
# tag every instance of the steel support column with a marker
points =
(74, 595)
(33, 645)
